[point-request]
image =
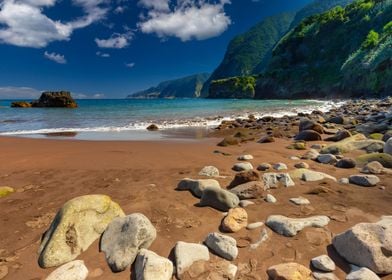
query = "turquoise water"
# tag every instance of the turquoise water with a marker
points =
(128, 118)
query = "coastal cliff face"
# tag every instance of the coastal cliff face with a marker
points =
(343, 52)
(187, 87)
(251, 52)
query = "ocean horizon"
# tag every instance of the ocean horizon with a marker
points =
(127, 119)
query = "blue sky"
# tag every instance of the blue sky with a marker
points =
(110, 48)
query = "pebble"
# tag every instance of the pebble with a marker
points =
(294, 158)
(245, 203)
(346, 163)
(344, 181)
(300, 201)
(270, 198)
(264, 167)
(253, 226)
(245, 157)
(301, 165)
(327, 159)
(209, 171)
(324, 263)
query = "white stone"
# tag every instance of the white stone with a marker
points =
(150, 266)
(270, 198)
(300, 200)
(324, 263)
(242, 166)
(222, 245)
(188, 253)
(280, 166)
(75, 270)
(253, 226)
(291, 226)
(245, 157)
(209, 171)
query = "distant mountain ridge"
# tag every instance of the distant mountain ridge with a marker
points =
(185, 87)
(250, 53)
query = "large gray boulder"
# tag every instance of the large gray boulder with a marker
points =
(388, 146)
(219, 199)
(291, 226)
(196, 187)
(150, 266)
(188, 253)
(123, 239)
(76, 226)
(367, 245)
(222, 245)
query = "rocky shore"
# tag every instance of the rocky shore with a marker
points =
(298, 197)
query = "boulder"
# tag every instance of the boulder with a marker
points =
(249, 190)
(152, 127)
(123, 239)
(209, 171)
(373, 167)
(242, 166)
(21, 104)
(384, 159)
(388, 147)
(362, 273)
(5, 191)
(306, 124)
(356, 142)
(197, 187)
(364, 180)
(150, 266)
(308, 135)
(310, 175)
(244, 177)
(222, 245)
(280, 166)
(346, 163)
(188, 253)
(236, 219)
(327, 159)
(339, 136)
(289, 271)
(78, 224)
(75, 270)
(60, 99)
(367, 245)
(324, 263)
(291, 226)
(219, 199)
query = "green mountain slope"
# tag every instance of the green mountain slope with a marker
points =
(250, 53)
(342, 52)
(186, 87)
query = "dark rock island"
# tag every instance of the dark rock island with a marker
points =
(49, 99)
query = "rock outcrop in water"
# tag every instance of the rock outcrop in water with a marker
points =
(49, 99)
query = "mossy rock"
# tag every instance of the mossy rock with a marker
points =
(376, 136)
(297, 146)
(356, 142)
(383, 158)
(5, 191)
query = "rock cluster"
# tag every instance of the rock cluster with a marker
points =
(55, 99)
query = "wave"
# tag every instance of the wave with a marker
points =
(205, 122)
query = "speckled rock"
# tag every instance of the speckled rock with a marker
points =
(209, 171)
(236, 219)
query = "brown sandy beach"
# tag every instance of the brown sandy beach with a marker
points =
(142, 177)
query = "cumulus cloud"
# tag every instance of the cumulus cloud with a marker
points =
(58, 58)
(116, 41)
(23, 23)
(186, 20)
(12, 92)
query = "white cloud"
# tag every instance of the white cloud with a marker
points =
(23, 23)
(116, 41)
(12, 92)
(58, 58)
(188, 19)
(160, 5)
(101, 54)
(130, 65)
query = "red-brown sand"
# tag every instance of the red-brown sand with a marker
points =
(142, 177)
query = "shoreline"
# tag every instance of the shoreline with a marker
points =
(141, 176)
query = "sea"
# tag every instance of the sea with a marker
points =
(127, 119)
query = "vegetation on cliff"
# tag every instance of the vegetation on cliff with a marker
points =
(187, 87)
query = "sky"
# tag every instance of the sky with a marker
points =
(111, 48)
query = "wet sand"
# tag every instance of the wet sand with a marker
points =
(142, 177)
